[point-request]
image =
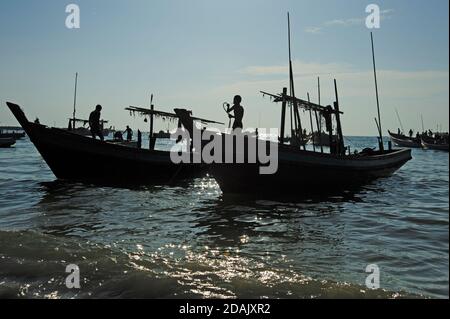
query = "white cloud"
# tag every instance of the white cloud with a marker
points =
(349, 22)
(313, 30)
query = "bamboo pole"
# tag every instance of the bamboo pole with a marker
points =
(338, 121)
(312, 126)
(151, 144)
(283, 116)
(75, 101)
(298, 126)
(380, 132)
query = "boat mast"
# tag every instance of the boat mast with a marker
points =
(151, 144)
(341, 147)
(380, 132)
(423, 126)
(399, 120)
(298, 123)
(75, 101)
(312, 126)
(319, 121)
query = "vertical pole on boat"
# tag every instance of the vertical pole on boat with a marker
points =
(380, 131)
(341, 149)
(283, 116)
(75, 101)
(318, 120)
(294, 100)
(312, 126)
(151, 142)
(423, 126)
(399, 120)
(294, 130)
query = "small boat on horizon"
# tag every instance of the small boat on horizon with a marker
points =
(6, 142)
(14, 133)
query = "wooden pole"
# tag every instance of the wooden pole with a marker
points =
(151, 144)
(312, 126)
(75, 101)
(291, 78)
(318, 119)
(283, 116)
(338, 121)
(380, 131)
(399, 120)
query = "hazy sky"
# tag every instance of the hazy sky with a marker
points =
(200, 53)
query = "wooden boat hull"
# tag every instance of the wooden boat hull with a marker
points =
(79, 158)
(431, 146)
(404, 141)
(308, 172)
(7, 142)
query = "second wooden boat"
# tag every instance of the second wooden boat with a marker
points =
(404, 141)
(431, 144)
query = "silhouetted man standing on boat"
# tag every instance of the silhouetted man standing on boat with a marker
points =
(94, 122)
(129, 132)
(238, 112)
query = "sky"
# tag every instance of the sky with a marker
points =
(197, 54)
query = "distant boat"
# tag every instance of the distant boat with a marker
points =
(6, 142)
(82, 130)
(79, 158)
(405, 141)
(432, 144)
(9, 132)
(322, 139)
(162, 134)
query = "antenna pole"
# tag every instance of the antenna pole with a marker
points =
(380, 131)
(291, 78)
(312, 126)
(151, 142)
(399, 120)
(75, 100)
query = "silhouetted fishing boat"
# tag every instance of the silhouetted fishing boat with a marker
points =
(433, 144)
(79, 158)
(405, 141)
(300, 170)
(6, 142)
